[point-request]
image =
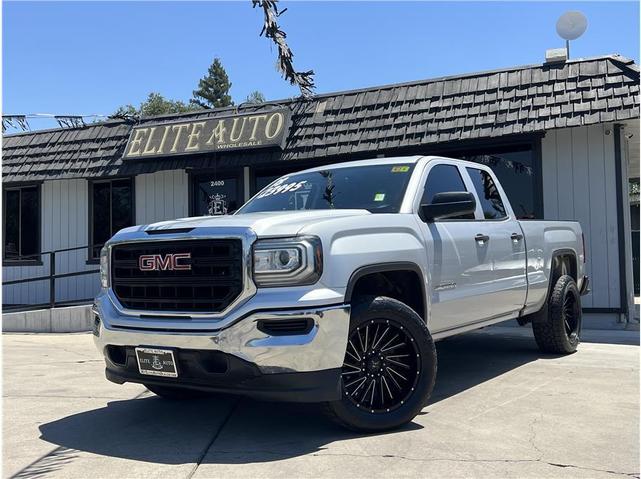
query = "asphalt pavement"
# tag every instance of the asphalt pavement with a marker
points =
(500, 409)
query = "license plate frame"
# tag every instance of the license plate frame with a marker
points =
(156, 362)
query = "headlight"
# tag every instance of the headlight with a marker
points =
(287, 262)
(104, 267)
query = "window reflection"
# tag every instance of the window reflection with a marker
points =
(488, 194)
(514, 169)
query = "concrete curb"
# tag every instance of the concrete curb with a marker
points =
(57, 320)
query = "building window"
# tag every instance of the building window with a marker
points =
(488, 194)
(22, 223)
(111, 210)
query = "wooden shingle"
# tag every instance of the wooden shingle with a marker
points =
(479, 105)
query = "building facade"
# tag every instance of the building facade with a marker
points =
(562, 138)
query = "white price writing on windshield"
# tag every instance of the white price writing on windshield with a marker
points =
(281, 187)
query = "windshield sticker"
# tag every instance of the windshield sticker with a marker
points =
(278, 188)
(379, 197)
(400, 169)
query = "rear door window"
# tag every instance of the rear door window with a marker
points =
(488, 194)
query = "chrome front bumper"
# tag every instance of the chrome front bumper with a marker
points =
(321, 349)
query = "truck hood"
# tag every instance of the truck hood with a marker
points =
(273, 223)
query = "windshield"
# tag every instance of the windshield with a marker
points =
(376, 188)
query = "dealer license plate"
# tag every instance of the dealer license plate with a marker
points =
(156, 362)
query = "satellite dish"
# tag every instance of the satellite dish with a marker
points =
(571, 25)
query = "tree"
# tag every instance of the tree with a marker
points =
(125, 111)
(213, 88)
(255, 98)
(155, 104)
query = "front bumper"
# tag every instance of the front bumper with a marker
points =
(224, 373)
(239, 358)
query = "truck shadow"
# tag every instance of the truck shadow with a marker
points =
(228, 430)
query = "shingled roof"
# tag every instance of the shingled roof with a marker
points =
(480, 105)
(91, 151)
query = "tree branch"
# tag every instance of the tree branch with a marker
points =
(304, 80)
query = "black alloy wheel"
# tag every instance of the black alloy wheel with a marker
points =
(571, 314)
(381, 367)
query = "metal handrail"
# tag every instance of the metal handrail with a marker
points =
(74, 248)
(52, 276)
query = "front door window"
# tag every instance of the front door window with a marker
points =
(215, 195)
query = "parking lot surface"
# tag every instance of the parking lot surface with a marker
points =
(500, 408)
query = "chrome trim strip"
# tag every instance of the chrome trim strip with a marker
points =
(247, 237)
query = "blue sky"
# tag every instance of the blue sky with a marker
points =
(91, 57)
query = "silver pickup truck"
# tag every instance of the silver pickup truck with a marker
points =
(332, 284)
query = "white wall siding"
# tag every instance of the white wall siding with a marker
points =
(64, 224)
(579, 184)
(161, 196)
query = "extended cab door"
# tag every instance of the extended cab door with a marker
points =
(503, 240)
(461, 274)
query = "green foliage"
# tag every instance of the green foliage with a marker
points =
(255, 98)
(213, 88)
(125, 111)
(155, 104)
(634, 189)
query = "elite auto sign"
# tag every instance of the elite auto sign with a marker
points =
(246, 131)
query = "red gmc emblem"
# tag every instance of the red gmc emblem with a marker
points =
(158, 262)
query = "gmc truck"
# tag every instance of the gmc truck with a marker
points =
(331, 285)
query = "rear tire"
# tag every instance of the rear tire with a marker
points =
(389, 369)
(175, 393)
(559, 332)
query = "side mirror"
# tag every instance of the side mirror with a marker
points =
(449, 204)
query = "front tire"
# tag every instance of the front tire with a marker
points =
(559, 331)
(389, 368)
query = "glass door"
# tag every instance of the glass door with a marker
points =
(215, 195)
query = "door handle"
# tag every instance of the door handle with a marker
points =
(516, 237)
(481, 238)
